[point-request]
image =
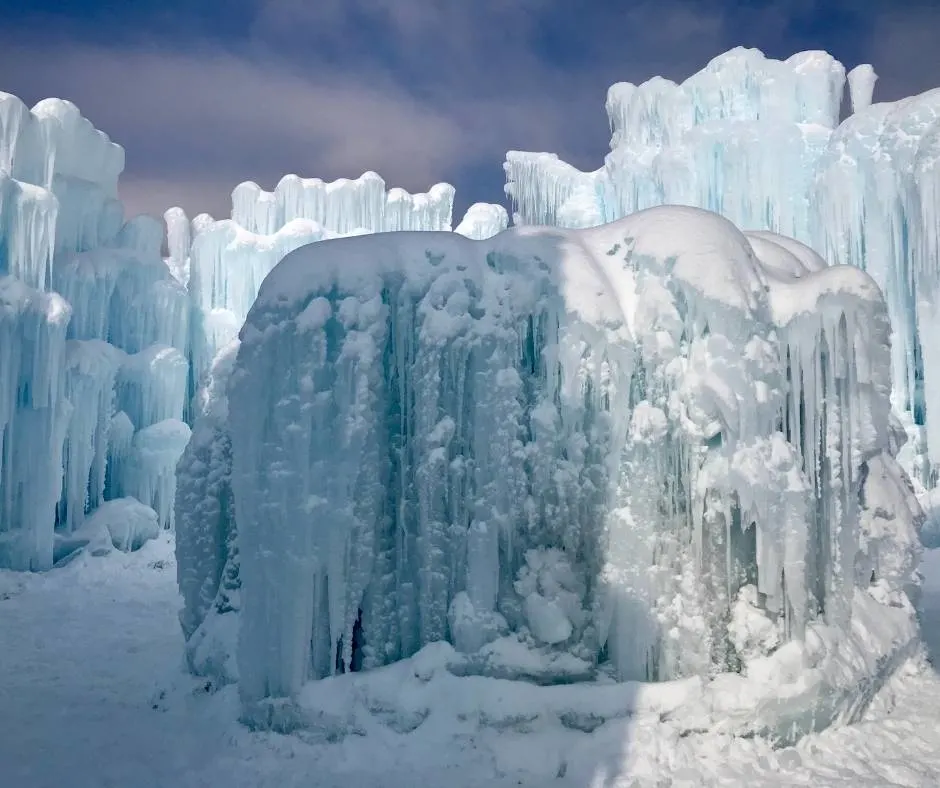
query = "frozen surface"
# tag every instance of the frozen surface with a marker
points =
(120, 680)
(563, 452)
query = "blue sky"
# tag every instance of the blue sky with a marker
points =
(203, 94)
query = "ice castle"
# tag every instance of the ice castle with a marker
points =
(645, 434)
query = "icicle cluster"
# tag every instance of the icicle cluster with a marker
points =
(758, 141)
(738, 138)
(98, 353)
(877, 190)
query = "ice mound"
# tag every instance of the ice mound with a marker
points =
(123, 524)
(565, 452)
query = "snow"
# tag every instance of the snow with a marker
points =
(483, 220)
(123, 524)
(121, 711)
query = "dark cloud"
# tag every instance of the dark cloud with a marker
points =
(419, 92)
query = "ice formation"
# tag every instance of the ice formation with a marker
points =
(580, 444)
(638, 443)
(93, 334)
(228, 259)
(759, 141)
(104, 342)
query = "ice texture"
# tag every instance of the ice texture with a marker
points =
(34, 418)
(150, 470)
(93, 331)
(759, 141)
(206, 544)
(580, 444)
(862, 81)
(228, 259)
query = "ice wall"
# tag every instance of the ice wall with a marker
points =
(572, 441)
(877, 188)
(759, 141)
(66, 356)
(206, 532)
(739, 137)
(228, 259)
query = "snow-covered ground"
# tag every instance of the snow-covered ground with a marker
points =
(93, 695)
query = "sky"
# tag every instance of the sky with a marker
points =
(204, 94)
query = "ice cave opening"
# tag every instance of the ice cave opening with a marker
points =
(669, 427)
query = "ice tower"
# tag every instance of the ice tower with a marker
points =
(759, 141)
(92, 326)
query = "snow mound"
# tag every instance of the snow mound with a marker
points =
(123, 524)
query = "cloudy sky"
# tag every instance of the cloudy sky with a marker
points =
(204, 94)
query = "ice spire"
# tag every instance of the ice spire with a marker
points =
(862, 80)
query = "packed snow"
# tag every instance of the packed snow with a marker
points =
(95, 693)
